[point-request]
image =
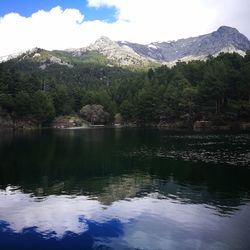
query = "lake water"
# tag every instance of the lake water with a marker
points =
(124, 189)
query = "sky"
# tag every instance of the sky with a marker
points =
(62, 24)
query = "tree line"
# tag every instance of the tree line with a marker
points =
(217, 89)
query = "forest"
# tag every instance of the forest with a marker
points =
(216, 90)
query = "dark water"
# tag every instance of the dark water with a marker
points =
(124, 189)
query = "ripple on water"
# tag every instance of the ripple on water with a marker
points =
(220, 149)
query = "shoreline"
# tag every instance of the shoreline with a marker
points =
(76, 123)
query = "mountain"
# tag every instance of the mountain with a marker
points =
(225, 39)
(39, 85)
(121, 53)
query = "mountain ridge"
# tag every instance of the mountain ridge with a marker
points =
(225, 39)
(123, 53)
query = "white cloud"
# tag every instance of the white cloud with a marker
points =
(137, 21)
(173, 19)
(148, 222)
(53, 29)
(22, 211)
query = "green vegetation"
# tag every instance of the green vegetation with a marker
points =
(216, 90)
(94, 114)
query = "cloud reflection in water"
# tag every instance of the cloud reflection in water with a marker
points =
(143, 222)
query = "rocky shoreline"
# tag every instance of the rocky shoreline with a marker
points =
(9, 123)
(76, 122)
(204, 125)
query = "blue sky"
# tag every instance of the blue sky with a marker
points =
(28, 7)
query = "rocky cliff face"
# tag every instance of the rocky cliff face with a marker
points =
(120, 54)
(225, 39)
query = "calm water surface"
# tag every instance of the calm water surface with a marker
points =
(124, 189)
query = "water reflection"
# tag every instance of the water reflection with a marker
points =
(149, 222)
(109, 189)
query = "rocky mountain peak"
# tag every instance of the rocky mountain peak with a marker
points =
(227, 30)
(225, 39)
(121, 54)
(102, 43)
(104, 39)
(230, 37)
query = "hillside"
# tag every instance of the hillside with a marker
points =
(104, 51)
(38, 86)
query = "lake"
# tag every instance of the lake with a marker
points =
(124, 189)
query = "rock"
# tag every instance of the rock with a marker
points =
(225, 39)
(69, 122)
(120, 55)
(25, 123)
(173, 125)
(55, 60)
(245, 125)
(118, 120)
(203, 125)
(209, 125)
(6, 122)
